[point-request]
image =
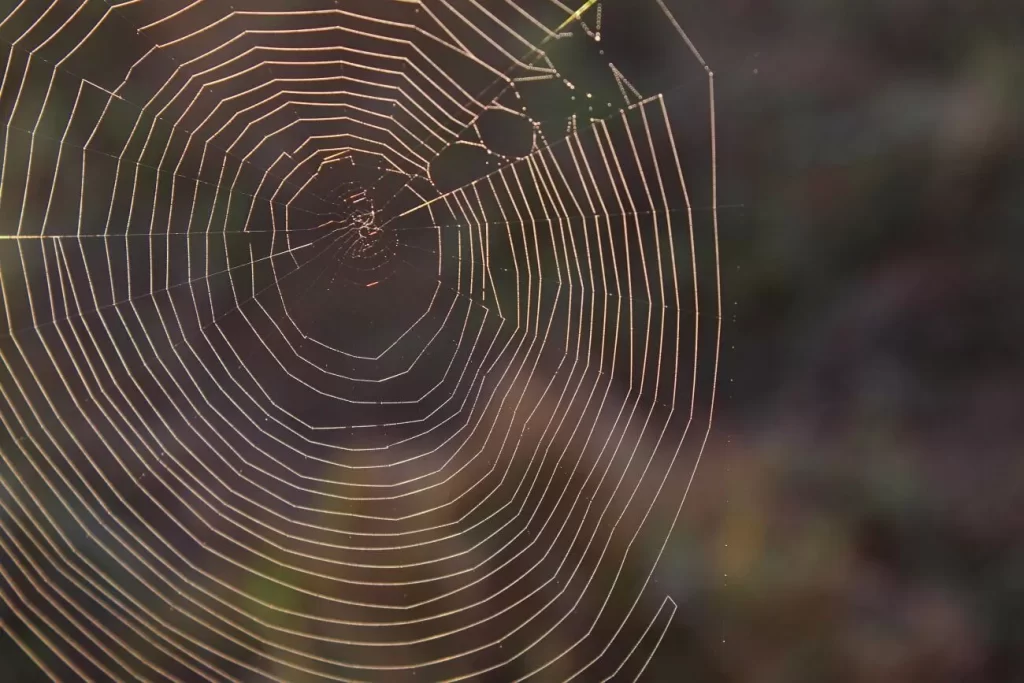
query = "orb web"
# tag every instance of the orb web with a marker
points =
(349, 340)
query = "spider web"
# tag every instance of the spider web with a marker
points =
(348, 340)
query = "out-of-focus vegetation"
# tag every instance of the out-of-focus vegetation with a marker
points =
(859, 516)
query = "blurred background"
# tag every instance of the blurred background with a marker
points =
(858, 512)
(858, 516)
